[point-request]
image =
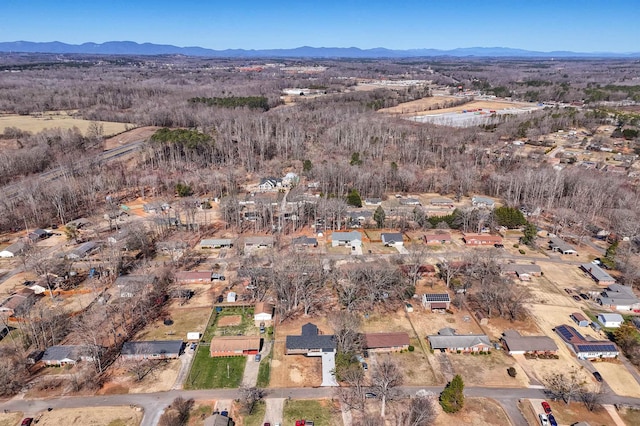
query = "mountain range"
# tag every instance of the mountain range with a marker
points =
(133, 48)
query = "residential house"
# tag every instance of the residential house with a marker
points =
(358, 218)
(517, 344)
(215, 243)
(234, 346)
(194, 277)
(441, 202)
(392, 239)
(17, 305)
(304, 241)
(482, 202)
(83, 250)
(471, 239)
(435, 239)
(157, 207)
(119, 237)
(620, 298)
(132, 285)
(610, 320)
(65, 355)
(523, 271)
(290, 179)
(598, 274)
(580, 319)
(448, 341)
(14, 249)
(433, 301)
(38, 234)
(173, 248)
(153, 349)
(263, 314)
(270, 183)
(257, 242)
(349, 239)
(584, 348)
(372, 201)
(218, 420)
(559, 245)
(386, 342)
(312, 343)
(79, 223)
(409, 202)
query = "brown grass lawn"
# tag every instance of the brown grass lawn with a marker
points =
(476, 412)
(488, 370)
(419, 105)
(112, 416)
(185, 319)
(294, 370)
(10, 419)
(630, 416)
(51, 121)
(576, 411)
(200, 411)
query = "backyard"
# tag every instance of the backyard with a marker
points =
(322, 412)
(245, 328)
(219, 372)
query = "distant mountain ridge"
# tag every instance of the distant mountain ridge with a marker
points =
(133, 48)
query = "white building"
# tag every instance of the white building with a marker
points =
(610, 320)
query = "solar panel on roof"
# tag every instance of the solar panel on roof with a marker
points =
(437, 297)
(596, 348)
(565, 332)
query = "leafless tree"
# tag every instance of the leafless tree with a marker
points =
(565, 385)
(346, 327)
(421, 411)
(385, 379)
(249, 396)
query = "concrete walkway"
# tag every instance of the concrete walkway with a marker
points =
(252, 368)
(185, 366)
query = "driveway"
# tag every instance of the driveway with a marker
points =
(185, 365)
(251, 369)
(273, 413)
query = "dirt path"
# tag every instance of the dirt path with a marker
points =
(273, 413)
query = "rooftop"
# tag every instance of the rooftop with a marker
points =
(311, 339)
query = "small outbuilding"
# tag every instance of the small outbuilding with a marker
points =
(263, 314)
(232, 296)
(580, 319)
(610, 320)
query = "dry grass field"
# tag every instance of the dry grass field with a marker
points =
(91, 416)
(54, 120)
(618, 378)
(185, 319)
(421, 105)
(476, 412)
(10, 419)
(485, 105)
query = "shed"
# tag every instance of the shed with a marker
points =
(263, 313)
(193, 335)
(610, 320)
(580, 319)
(232, 296)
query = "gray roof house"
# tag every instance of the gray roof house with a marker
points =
(598, 274)
(409, 202)
(522, 271)
(392, 238)
(83, 250)
(619, 297)
(372, 201)
(353, 238)
(13, 250)
(517, 344)
(153, 349)
(559, 245)
(479, 201)
(214, 243)
(448, 341)
(304, 241)
(65, 354)
(312, 343)
(259, 242)
(131, 285)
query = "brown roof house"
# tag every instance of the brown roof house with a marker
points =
(234, 346)
(517, 344)
(17, 305)
(194, 277)
(523, 271)
(481, 239)
(263, 314)
(386, 342)
(435, 239)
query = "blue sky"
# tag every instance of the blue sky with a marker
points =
(585, 25)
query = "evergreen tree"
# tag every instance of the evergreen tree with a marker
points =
(529, 234)
(379, 216)
(353, 199)
(509, 217)
(452, 397)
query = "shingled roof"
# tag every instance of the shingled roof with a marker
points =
(311, 339)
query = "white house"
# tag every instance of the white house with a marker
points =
(231, 297)
(392, 239)
(263, 313)
(610, 320)
(349, 239)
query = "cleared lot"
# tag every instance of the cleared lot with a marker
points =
(94, 416)
(54, 120)
(618, 378)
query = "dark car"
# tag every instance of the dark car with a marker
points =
(220, 299)
(370, 395)
(365, 367)
(568, 290)
(498, 245)
(546, 407)
(26, 421)
(576, 297)
(552, 420)
(365, 353)
(267, 424)
(584, 296)
(597, 376)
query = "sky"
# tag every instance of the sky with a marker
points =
(542, 25)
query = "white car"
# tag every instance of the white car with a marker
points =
(544, 420)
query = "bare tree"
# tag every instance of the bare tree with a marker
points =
(346, 329)
(565, 385)
(592, 398)
(421, 411)
(249, 396)
(385, 379)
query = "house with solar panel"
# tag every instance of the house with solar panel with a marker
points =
(586, 348)
(436, 301)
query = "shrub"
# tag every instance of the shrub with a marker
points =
(516, 245)
(512, 372)
(411, 348)
(521, 251)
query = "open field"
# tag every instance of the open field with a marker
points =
(618, 378)
(488, 370)
(476, 412)
(130, 136)
(10, 419)
(220, 372)
(185, 319)
(630, 416)
(246, 327)
(60, 120)
(322, 412)
(424, 104)
(93, 416)
(484, 105)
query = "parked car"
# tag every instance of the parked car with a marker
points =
(576, 297)
(552, 420)
(597, 376)
(299, 422)
(365, 353)
(220, 299)
(498, 245)
(584, 296)
(258, 357)
(568, 290)
(546, 407)
(193, 346)
(224, 413)
(370, 395)
(365, 367)
(217, 277)
(544, 420)
(26, 421)
(267, 424)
